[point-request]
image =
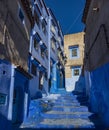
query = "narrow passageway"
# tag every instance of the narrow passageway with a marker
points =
(68, 111)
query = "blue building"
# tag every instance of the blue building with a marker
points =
(96, 62)
(56, 56)
(38, 51)
(15, 26)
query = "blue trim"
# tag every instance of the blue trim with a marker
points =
(43, 46)
(73, 67)
(4, 61)
(37, 37)
(52, 60)
(73, 47)
(41, 68)
(35, 62)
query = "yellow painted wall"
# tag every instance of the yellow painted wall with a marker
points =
(70, 40)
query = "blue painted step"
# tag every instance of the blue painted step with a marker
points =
(75, 109)
(64, 116)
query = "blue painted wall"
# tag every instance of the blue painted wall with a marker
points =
(5, 79)
(12, 79)
(21, 86)
(98, 88)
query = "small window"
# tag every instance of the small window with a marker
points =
(40, 4)
(36, 44)
(46, 53)
(37, 19)
(46, 75)
(33, 69)
(21, 15)
(53, 44)
(44, 26)
(74, 51)
(37, 15)
(3, 99)
(37, 39)
(42, 52)
(76, 72)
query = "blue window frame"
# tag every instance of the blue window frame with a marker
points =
(74, 52)
(3, 98)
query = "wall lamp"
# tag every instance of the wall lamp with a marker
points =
(96, 9)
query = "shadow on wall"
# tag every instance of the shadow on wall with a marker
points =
(4, 123)
(80, 84)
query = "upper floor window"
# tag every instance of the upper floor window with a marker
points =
(43, 49)
(21, 15)
(74, 51)
(37, 39)
(46, 53)
(40, 4)
(53, 43)
(33, 69)
(42, 52)
(44, 26)
(37, 15)
(52, 28)
(76, 70)
(46, 75)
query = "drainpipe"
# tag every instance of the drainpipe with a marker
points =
(49, 46)
(11, 92)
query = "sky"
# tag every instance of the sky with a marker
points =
(68, 13)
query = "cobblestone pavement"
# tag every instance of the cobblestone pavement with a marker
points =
(65, 112)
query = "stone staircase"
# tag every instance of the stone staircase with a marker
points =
(67, 112)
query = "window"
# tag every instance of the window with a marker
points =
(36, 44)
(21, 15)
(74, 51)
(37, 39)
(46, 75)
(42, 52)
(33, 69)
(46, 53)
(53, 43)
(3, 99)
(76, 70)
(44, 26)
(37, 15)
(52, 28)
(37, 19)
(40, 4)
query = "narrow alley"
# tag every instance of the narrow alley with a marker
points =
(54, 64)
(68, 111)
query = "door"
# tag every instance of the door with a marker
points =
(15, 106)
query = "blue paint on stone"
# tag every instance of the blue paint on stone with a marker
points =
(98, 91)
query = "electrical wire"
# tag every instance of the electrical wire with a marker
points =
(74, 21)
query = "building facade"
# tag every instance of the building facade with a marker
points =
(46, 56)
(74, 50)
(15, 26)
(56, 73)
(31, 56)
(38, 51)
(96, 63)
